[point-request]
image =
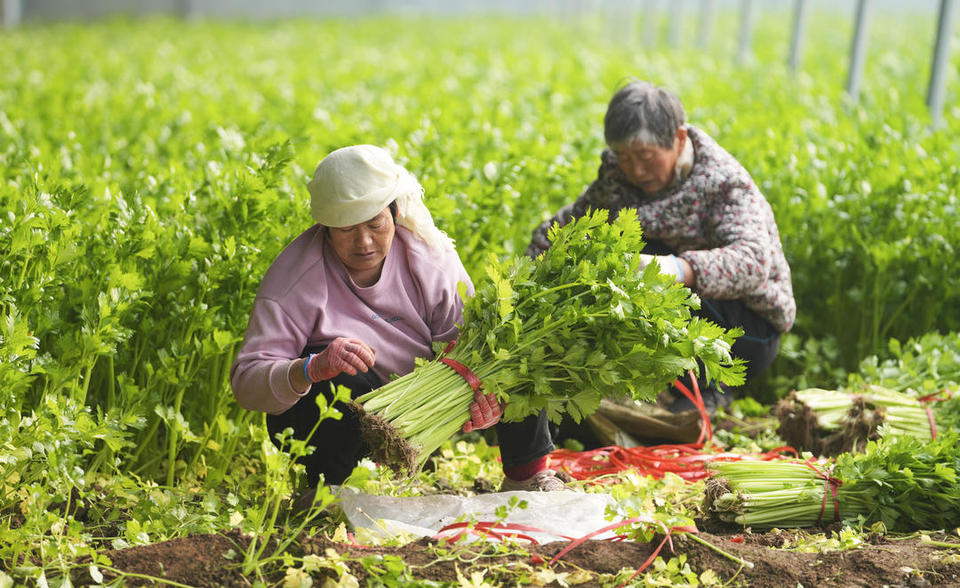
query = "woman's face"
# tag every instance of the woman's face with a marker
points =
(649, 167)
(363, 247)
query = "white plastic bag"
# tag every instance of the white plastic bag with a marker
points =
(557, 516)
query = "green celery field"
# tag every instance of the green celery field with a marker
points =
(150, 172)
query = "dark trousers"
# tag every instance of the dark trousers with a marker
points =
(760, 340)
(337, 443)
(337, 446)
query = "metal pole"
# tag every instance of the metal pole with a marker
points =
(12, 13)
(799, 32)
(941, 61)
(706, 23)
(746, 31)
(858, 51)
(187, 9)
(551, 8)
(650, 22)
(676, 23)
(567, 11)
(631, 22)
(589, 10)
(616, 21)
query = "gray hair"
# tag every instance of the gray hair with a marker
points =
(643, 112)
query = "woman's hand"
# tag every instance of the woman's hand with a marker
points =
(485, 412)
(341, 355)
(671, 265)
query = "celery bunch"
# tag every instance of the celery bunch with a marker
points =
(830, 422)
(580, 322)
(905, 483)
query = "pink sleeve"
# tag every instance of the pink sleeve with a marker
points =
(447, 310)
(260, 375)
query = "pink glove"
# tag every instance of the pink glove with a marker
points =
(485, 412)
(341, 355)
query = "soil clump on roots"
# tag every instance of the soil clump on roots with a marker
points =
(384, 443)
(800, 428)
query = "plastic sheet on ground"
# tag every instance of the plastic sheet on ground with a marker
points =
(557, 516)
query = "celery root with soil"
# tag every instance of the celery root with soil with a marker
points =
(581, 322)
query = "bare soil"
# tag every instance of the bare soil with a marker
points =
(213, 560)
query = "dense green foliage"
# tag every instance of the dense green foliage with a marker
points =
(150, 172)
(923, 365)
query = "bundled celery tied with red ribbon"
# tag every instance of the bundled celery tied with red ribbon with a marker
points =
(905, 483)
(580, 322)
(830, 422)
(913, 392)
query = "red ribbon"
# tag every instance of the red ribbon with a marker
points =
(464, 371)
(834, 485)
(933, 422)
(944, 394)
(638, 519)
(353, 541)
(685, 460)
(706, 431)
(499, 531)
(935, 397)
(461, 369)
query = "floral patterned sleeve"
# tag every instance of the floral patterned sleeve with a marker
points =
(741, 264)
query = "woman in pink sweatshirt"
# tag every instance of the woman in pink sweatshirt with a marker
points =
(355, 299)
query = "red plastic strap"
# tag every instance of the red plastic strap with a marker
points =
(687, 461)
(495, 530)
(833, 484)
(353, 541)
(638, 519)
(464, 371)
(940, 396)
(933, 422)
(935, 397)
(706, 430)
(649, 560)
(500, 531)
(461, 369)
(610, 527)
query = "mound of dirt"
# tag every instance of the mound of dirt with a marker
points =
(212, 560)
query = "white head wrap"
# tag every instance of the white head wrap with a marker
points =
(354, 184)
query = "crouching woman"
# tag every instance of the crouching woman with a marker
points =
(355, 298)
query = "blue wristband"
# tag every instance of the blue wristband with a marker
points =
(306, 364)
(683, 275)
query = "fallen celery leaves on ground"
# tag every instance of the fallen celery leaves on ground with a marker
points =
(559, 333)
(900, 481)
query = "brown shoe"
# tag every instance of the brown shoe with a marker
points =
(542, 481)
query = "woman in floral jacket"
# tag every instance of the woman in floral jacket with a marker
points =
(704, 221)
